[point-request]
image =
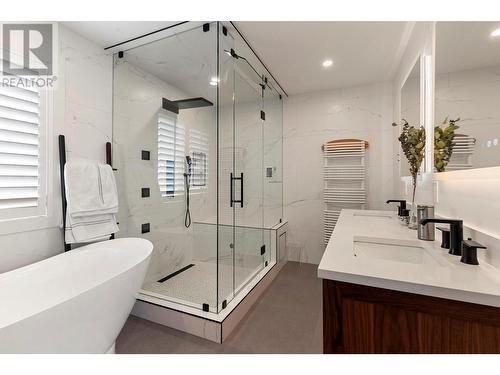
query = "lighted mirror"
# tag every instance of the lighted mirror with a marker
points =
(467, 88)
(410, 108)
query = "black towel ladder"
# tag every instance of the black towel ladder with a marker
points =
(62, 162)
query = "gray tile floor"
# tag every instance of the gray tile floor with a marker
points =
(286, 319)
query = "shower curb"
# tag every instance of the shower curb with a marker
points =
(150, 308)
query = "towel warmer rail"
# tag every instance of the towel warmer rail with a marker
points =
(463, 151)
(344, 174)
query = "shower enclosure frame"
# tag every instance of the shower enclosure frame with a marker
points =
(264, 79)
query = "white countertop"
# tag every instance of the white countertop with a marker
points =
(436, 274)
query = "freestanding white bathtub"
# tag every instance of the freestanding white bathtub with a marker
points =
(75, 302)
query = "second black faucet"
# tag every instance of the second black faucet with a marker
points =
(456, 233)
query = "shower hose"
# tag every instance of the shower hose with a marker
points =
(187, 218)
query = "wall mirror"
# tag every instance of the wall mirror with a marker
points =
(410, 108)
(467, 87)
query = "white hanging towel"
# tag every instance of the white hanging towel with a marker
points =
(92, 201)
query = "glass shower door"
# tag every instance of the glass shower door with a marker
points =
(248, 175)
(244, 245)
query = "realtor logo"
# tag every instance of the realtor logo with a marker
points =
(27, 49)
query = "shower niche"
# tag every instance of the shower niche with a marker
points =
(197, 124)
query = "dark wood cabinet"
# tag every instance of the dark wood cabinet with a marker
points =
(362, 319)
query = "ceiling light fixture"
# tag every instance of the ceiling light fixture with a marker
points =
(495, 33)
(327, 63)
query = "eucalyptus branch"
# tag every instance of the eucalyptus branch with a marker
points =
(443, 143)
(413, 144)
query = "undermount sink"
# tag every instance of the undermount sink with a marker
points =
(373, 215)
(395, 250)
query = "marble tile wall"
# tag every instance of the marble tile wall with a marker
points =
(137, 101)
(82, 111)
(273, 158)
(364, 112)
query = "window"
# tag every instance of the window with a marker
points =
(198, 143)
(171, 155)
(22, 162)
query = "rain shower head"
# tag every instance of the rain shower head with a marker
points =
(193, 103)
(176, 105)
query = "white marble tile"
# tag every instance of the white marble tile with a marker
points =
(310, 120)
(137, 99)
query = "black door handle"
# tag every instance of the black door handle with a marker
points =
(231, 192)
(241, 188)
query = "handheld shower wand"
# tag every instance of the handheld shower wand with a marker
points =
(187, 182)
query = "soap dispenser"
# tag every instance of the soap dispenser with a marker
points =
(425, 232)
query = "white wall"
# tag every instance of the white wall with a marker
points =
(363, 112)
(472, 195)
(82, 111)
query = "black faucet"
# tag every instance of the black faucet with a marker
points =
(456, 233)
(469, 251)
(402, 211)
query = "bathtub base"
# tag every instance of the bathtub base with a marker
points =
(210, 326)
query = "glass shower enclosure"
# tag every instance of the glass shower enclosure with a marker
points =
(197, 144)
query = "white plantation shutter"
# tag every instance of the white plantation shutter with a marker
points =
(19, 147)
(198, 143)
(171, 155)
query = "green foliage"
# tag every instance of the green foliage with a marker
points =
(413, 144)
(443, 143)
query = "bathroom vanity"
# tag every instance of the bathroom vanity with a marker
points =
(385, 291)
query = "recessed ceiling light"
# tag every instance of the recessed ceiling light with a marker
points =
(495, 33)
(327, 63)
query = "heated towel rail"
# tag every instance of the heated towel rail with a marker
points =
(463, 150)
(344, 179)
